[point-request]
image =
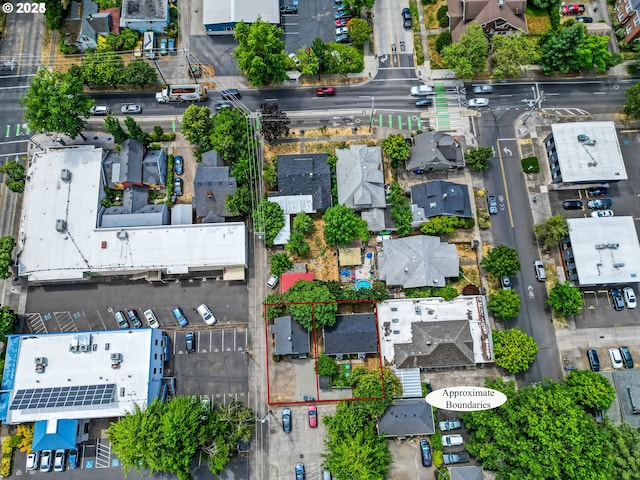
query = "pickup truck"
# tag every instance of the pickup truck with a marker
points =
(453, 424)
(599, 204)
(572, 9)
(457, 457)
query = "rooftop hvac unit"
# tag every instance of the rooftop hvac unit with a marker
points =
(65, 175)
(73, 348)
(41, 360)
(61, 225)
(116, 357)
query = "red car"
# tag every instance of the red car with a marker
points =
(341, 22)
(572, 9)
(313, 416)
(323, 91)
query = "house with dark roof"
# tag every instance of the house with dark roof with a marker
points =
(360, 177)
(494, 16)
(417, 261)
(439, 198)
(306, 174)
(355, 334)
(144, 15)
(435, 151)
(85, 22)
(135, 165)
(290, 337)
(212, 184)
(407, 417)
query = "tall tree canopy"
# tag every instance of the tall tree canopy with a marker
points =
(469, 54)
(275, 123)
(260, 52)
(304, 293)
(501, 261)
(514, 350)
(509, 53)
(559, 49)
(342, 225)
(565, 299)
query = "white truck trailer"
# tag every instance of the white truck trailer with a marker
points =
(182, 93)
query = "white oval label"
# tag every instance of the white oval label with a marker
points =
(466, 399)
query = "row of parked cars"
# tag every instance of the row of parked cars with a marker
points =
(131, 319)
(342, 18)
(452, 440)
(620, 357)
(621, 298)
(56, 460)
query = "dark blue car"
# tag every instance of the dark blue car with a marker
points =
(178, 165)
(425, 450)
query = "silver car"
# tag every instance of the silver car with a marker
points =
(131, 108)
(478, 102)
(483, 89)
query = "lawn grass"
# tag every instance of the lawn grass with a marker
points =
(538, 21)
(434, 56)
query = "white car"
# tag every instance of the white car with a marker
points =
(100, 110)
(452, 440)
(422, 91)
(629, 297)
(60, 461)
(295, 59)
(273, 281)
(46, 462)
(341, 30)
(478, 102)
(602, 213)
(616, 358)
(151, 318)
(206, 314)
(33, 459)
(130, 108)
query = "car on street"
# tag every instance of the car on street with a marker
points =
(422, 91)
(616, 358)
(178, 165)
(453, 424)
(134, 318)
(424, 102)
(538, 268)
(629, 297)
(617, 301)
(177, 187)
(452, 440)
(130, 108)
(33, 461)
(190, 342)
(206, 314)
(46, 461)
(406, 19)
(492, 204)
(572, 205)
(344, 38)
(273, 280)
(223, 105)
(151, 318)
(313, 416)
(286, 420)
(289, 10)
(599, 204)
(181, 320)
(341, 30)
(584, 19)
(627, 359)
(60, 461)
(597, 191)
(99, 110)
(230, 94)
(478, 102)
(483, 89)
(325, 91)
(602, 213)
(299, 471)
(121, 320)
(505, 283)
(594, 361)
(341, 22)
(294, 58)
(456, 457)
(425, 452)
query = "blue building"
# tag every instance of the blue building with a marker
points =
(143, 15)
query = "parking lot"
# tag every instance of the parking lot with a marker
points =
(313, 20)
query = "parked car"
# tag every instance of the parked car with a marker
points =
(572, 9)
(597, 191)
(325, 91)
(181, 320)
(483, 89)
(344, 38)
(406, 19)
(73, 459)
(425, 452)
(492, 204)
(616, 358)
(602, 213)
(341, 22)
(33, 461)
(629, 297)
(599, 204)
(286, 420)
(178, 165)
(453, 424)
(478, 102)
(151, 318)
(617, 302)
(163, 46)
(60, 461)
(137, 51)
(313, 416)
(538, 268)
(130, 108)
(100, 110)
(627, 359)
(340, 13)
(134, 318)
(46, 461)
(230, 94)
(452, 440)
(424, 102)
(121, 319)
(289, 10)
(341, 30)
(572, 205)
(206, 314)
(190, 342)
(296, 61)
(584, 19)
(299, 471)
(505, 283)
(273, 281)
(177, 187)
(457, 457)
(594, 361)
(171, 45)
(223, 105)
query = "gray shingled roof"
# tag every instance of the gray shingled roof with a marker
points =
(463, 13)
(131, 152)
(291, 338)
(446, 344)
(407, 418)
(144, 10)
(211, 186)
(360, 177)
(418, 261)
(435, 148)
(351, 334)
(441, 198)
(306, 174)
(465, 473)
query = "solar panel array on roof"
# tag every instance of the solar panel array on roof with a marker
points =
(54, 397)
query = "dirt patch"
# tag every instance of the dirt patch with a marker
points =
(538, 21)
(434, 56)
(469, 266)
(324, 263)
(430, 13)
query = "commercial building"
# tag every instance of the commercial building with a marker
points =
(221, 16)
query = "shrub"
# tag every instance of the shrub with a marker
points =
(443, 40)
(443, 18)
(530, 165)
(483, 219)
(327, 366)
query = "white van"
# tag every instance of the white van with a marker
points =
(206, 314)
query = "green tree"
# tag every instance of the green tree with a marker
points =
(275, 306)
(134, 130)
(308, 292)
(274, 122)
(7, 244)
(400, 209)
(558, 49)
(8, 322)
(368, 384)
(443, 40)
(514, 350)
(139, 73)
(197, 126)
(448, 292)
(103, 69)
(113, 127)
(15, 175)
(239, 204)
(442, 225)
(469, 54)
(228, 134)
(396, 149)
(591, 389)
(565, 299)
(54, 14)
(509, 53)
(233, 422)
(55, 103)
(303, 223)
(362, 455)
(443, 18)
(553, 231)
(504, 304)
(625, 450)
(319, 49)
(269, 219)
(594, 53)
(280, 263)
(359, 31)
(342, 226)
(260, 52)
(244, 169)
(326, 365)
(478, 158)
(297, 245)
(501, 261)
(632, 105)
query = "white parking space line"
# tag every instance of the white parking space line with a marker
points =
(101, 320)
(35, 323)
(65, 322)
(103, 455)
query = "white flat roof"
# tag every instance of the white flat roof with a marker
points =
(403, 313)
(605, 250)
(248, 11)
(579, 162)
(134, 381)
(48, 255)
